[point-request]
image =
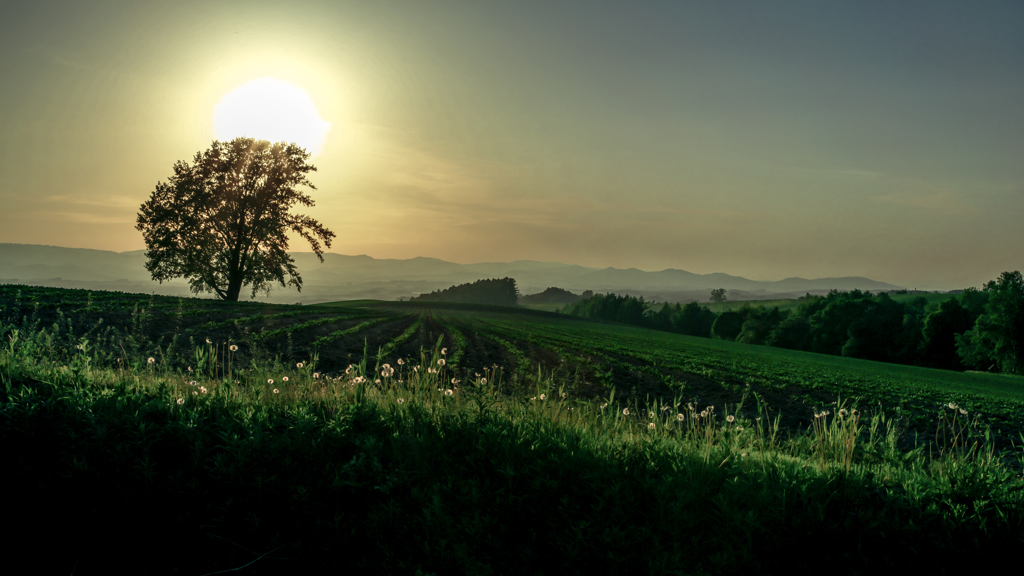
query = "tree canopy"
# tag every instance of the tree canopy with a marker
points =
(222, 222)
(501, 292)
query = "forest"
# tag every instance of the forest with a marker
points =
(974, 330)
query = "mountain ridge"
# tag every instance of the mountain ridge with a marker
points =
(345, 276)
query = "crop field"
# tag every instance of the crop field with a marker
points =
(433, 438)
(589, 359)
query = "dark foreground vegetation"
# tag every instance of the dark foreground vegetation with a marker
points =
(975, 330)
(216, 456)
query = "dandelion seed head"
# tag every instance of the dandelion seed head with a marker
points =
(625, 411)
(192, 383)
(730, 418)
(448, 392)
(444, 351)
(564, 395)
(440, 362)
(181, 400)
(150, 360)
(233, 348)
(680, 417)
(285, 379)
(208, 341)
(483, 380)
(401, 401)
(270, 381)
(603, 406)
(316, 375)
(275, 390)
(650, 426)
(400, 361)
(299, 365)
(964, 412)
(202, 389)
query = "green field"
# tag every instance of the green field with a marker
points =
(432, 438)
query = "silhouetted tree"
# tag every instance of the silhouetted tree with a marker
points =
(501, 292)
(222, 222)
(718, 295)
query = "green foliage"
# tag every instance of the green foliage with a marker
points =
(222, 222)
(998, 333)
(727, 326)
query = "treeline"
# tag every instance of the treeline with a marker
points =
(974, 330)
(501, 292)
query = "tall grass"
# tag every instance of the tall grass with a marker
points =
(411, 468)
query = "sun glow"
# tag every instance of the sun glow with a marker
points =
(271, 109)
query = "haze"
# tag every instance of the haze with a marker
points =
(760, 139)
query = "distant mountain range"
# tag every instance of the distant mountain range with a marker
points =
(343, 277)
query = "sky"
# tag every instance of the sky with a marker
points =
(760, 139)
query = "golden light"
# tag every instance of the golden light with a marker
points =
(271, 109)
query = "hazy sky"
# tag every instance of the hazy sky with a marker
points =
(762, 139)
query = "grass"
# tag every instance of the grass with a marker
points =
(415, 475)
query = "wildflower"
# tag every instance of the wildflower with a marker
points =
(377, 381)
(964, 412)
(564, 395)
(181, 400)
(650, 426)
(650, 415)
(843, 413)
(150, 360)
(730, 418)
(454, 381)
(316, 375)
(275, 390)
(233, 348)
(299, 365)
(401, 401)
(603, 406)
(542, 396)
(444, 351)
(703, 413)
(202, 389)
(285, 378)
(192, 383)
(483, 380)
(680, 417)
(400, 361)
(625, 412)
(270, 381)
(387, 370)
(739, 428)
(208, 341)
(440, 362)
(194, 393)
(189, 368)
(448, 392)
(349, 369)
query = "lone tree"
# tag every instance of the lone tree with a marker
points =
(222, 222)
(718, 295)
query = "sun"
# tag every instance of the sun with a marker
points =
(271, 109)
